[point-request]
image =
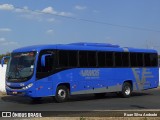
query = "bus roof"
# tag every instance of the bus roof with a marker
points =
(83, 46)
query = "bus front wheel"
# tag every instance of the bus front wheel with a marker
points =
(62, 94)
(126, 90)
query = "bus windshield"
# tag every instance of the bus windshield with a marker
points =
(21, 66)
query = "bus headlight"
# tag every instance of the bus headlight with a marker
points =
(28, 86)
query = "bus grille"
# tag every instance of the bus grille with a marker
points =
(14, 87)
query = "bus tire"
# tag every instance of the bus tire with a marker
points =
(126, 90)
(99, 95)
(62, 94)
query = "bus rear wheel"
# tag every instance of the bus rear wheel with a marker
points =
(62, 94)
(126, 90)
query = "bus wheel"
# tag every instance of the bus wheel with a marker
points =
(62, 94)
(99, 95)
(126, 90)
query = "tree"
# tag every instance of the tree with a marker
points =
(2, 55)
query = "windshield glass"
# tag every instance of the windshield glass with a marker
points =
(21, 65)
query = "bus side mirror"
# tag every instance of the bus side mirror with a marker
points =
(43, 59)
(3, 59)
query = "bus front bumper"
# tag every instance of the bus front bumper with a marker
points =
(20, 92)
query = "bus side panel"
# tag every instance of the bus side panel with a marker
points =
(112, 79)
(142, 78)
(93, 80)
(98, 80)
(146, 78)
(44, 87)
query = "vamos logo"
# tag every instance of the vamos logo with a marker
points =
(89, 73)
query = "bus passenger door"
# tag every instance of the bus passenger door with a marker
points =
(44, 87)
(45, 65)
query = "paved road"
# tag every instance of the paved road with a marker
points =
(149, 99)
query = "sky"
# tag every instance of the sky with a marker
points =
(128, 23)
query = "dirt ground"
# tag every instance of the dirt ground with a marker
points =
(2, 93)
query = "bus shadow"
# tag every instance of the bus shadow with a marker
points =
(26, 100)
(75, 98)
(140, 94)
(107, 96)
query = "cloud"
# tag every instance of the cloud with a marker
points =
(5, 30)
(78, 7)
(34, 14)
(22, 10)
(8, 46)
(2, 40)
(50, 19)
(10, 7)
(50, 31)
(50, 10)
(9, 43)
(6, 7)
(65, 14)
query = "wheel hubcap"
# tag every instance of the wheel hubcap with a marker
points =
(127, 90)
(62, 93)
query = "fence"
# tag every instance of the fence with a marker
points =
(2, 77)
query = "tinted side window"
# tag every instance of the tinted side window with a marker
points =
(125, 59)
(147, 59)
(83, 60)
(63, 58)
(101, 59)
(92, 62)
(109, 59)
(50, 63)
(154, 59)
(133, 59)
(150, 59)
(140, 60)
(73, 58)
(118, 59)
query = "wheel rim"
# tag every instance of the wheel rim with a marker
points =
(127, 90)
(62, 93)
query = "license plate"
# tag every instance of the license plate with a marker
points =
(14, 93)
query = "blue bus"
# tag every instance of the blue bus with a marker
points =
(62, 70)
